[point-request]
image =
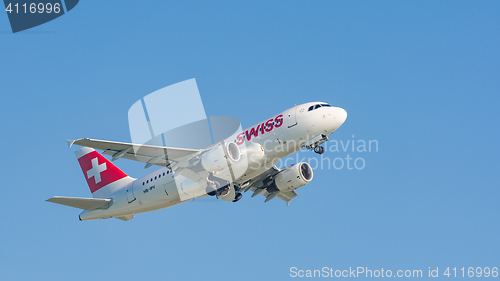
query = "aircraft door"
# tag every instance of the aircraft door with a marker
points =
(130, 193)
(291, 117)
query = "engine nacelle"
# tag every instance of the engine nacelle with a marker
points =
(294, 176)
(216, 160)
(253, 154)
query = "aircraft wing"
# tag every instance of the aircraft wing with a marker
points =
(262, 181)
(149, 154)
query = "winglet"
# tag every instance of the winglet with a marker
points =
(70, 143)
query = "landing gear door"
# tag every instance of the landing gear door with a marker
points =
(130, 193)
(291, 117)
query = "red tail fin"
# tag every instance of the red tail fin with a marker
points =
(102, 176)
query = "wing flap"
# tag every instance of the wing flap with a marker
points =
(135, 157)
(125, 218)
(259, 183)
(287, 196)
(89, 204)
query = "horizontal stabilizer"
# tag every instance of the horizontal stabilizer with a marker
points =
(89, 204)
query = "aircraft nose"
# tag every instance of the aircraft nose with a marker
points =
(340, 115)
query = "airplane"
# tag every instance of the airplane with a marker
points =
(242, 162)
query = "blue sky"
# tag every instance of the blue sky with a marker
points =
(420, 77)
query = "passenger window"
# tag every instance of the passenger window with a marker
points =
(142, 183)
(155, 178)
(159, 176)
(168, 172)
(163, 174)
(147, 181)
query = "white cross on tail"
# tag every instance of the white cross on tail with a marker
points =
(96, 170)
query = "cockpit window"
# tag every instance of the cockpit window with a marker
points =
(313, 107)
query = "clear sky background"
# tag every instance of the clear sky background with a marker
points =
(420, 77)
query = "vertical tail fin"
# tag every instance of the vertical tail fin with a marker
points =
(102, 176)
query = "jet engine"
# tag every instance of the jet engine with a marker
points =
(253, 154)
(294, 176)
(216, 159)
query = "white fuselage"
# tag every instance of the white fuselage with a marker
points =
(277, 137)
